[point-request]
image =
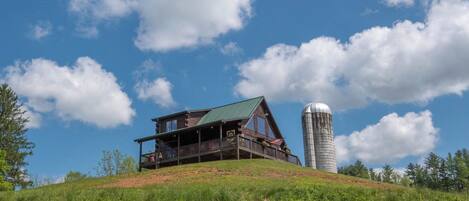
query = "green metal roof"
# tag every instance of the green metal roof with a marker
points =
(238, 110)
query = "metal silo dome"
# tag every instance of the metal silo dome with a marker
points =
(317, 107)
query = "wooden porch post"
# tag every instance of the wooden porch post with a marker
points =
(237, 147)
(250, 149)
(140, 157)
(263, 151)
(221, 141)
(198, 133)
(179, 144)
(156, 153)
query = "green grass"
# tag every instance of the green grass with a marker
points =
(229, 180)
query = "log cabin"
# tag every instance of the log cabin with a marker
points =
(240, 130)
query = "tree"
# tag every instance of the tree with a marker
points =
(105, 165)
(411, 173)
(387, 174)
(466, 174)
(13, 137)
(74, 176)
(405, 181)
(373, 175)
(432, 164)
(444, 176)
(452, 173)
(396, 178)
(465, 155)
(115, 163)
(421, 175)
(462, 171)
(358, 169)
(4, 185)
(128, 165)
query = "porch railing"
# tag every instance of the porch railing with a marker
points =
(266, 150)
(167, 153)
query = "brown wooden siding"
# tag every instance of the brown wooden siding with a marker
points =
(193, 118)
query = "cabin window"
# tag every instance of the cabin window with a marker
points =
(250, 124)
(171, 125)
(261, 125)
(270, 133)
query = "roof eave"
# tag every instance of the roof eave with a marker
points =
(185, 129)
(178, 113)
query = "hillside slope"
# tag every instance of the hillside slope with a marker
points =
(229, 180)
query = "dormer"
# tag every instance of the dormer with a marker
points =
(178, 120)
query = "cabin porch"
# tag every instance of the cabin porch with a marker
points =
(216, 142)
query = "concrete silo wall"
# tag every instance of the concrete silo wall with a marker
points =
(324, 142)
(308, 139)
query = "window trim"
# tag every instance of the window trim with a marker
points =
(255, 124)
(251, 120)
(265, 123)
(270, 131)
(172, 125)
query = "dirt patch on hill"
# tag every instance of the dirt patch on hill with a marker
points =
(159, 177)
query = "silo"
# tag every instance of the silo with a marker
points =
(318, 137)
(308, 137)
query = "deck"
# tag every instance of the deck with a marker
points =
(236, 147)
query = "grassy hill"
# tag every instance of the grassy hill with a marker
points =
(229, 180)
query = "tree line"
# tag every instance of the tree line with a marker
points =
(112, 163)
(387, 173)
(450, 173)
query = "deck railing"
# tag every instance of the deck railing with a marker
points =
(266, 150)
(167, 153)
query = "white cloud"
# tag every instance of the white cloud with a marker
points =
(40, 30)
(83, 92)
(159, 91)
(287, 73)
(34, 118)
(147, 69)
(397, 3)
(230, 49)
(91, 13)
(166, 25)
(391, 139)
(408, 62)
(102, 9)
(369, 11)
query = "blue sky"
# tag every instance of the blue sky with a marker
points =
(222, 58)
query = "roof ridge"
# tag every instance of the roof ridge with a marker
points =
(215, 112)
(257, 105)
(245, 100)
